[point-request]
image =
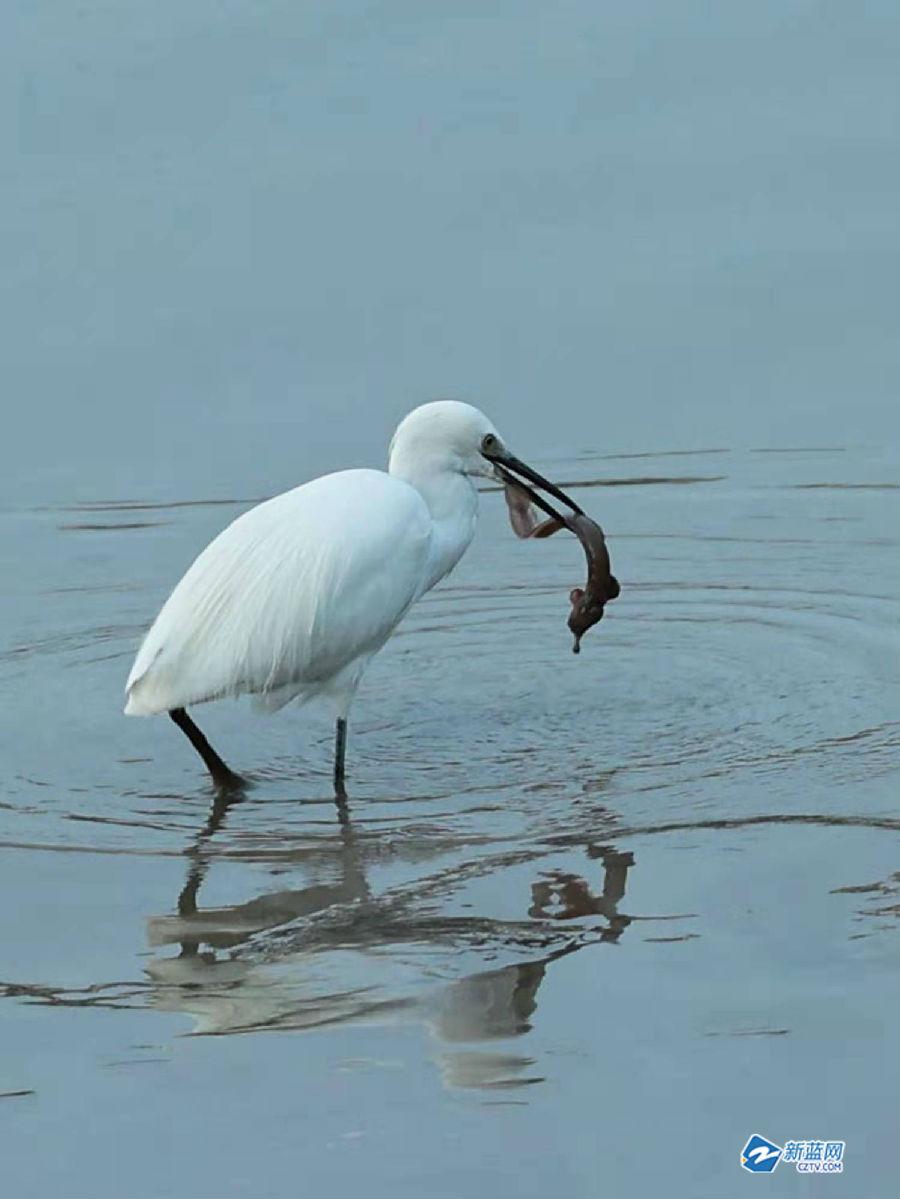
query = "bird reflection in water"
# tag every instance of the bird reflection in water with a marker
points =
(357, 969)
(561, 896)
(222, 928)
(498, 1004)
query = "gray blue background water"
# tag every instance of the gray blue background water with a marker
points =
(590, 921)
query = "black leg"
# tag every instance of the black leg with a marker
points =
(340, 752)
(221, 775)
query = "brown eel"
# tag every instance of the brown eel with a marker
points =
(602, 585)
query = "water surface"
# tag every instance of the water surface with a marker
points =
(563, 888)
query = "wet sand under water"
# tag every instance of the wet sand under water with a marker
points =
(578, 914)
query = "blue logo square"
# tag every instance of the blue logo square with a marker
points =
(760, 1156)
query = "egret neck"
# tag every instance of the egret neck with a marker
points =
(452, 501)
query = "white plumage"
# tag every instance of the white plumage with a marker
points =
(293, 599)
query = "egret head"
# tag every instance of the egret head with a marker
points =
(445, 435)
(448, 435)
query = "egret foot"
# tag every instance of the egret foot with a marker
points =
(221, 774)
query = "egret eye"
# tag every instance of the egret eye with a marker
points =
(489, 443)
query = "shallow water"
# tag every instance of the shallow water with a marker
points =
(564, 888)
(586, 922)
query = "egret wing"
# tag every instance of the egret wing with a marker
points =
(292, 592)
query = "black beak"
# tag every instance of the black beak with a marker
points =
(512, 470)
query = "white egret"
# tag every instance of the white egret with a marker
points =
(294, 598)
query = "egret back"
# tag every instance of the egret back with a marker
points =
(289, 595)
